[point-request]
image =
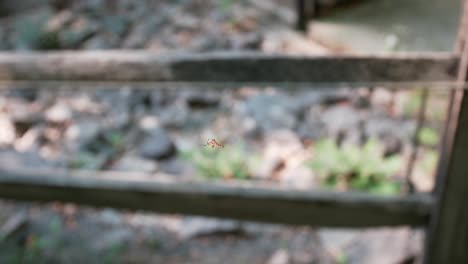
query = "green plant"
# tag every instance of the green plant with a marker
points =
(428, 136)
(356, 168)
(226, 4)
(342, 258)
(229, 162)
(113, 255)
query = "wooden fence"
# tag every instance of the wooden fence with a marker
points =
(443, 212)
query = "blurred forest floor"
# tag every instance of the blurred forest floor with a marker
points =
(153, 131)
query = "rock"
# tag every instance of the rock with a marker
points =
(142, 31)
(211, 42)
(386, 246)
(175, 116)
(158, 145)
(110, 216)
(382, 97)
(78, 32)
(392, 146)
(251, 41)
(100, 42)
(133, 163)
(178, 167)
(31, 33)
(183, 20)
(115, 99)
(23, 115)
(337, 239)
(271, 112)
(14, 225)
(118, 118)
(281, 256)
(7, 131)
(82, 132)
(310, 131)
(362, 102)
(111, 239)
(311, 127)
(380, 126)
(28, 95)
(58, 113)
(116, 25)
(30, 140)
(340, 118)
(191, 227)
(148, 123)
(303, 101)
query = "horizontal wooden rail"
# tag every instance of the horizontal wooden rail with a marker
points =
(225, 67)
(217, 200)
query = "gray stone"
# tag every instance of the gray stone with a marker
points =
(112, 239)
(131, 163)
(58, 113)
(184, 20)
(311, 127)
(82, 132)
(175, 116)
(281, 256)
(101, 41)
(178, 167)
(271, 112)
(78, 32)
(158, 145)
(142, 32)
(7, 131)
(386, 246)
(110, 216)
(14, 225)
(340, 118)
(382, 126)
(30, 32)
(303, 101)
(251, 41)
(337, 239)
(310, 131)
(116, 25)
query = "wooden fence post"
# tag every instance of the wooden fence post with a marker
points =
(447, 236)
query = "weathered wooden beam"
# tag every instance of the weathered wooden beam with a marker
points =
(448, 233)
(217, 200)
(447, 236)
(224, 67)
